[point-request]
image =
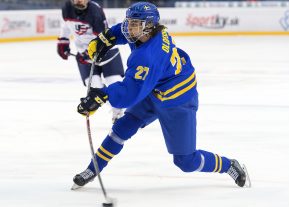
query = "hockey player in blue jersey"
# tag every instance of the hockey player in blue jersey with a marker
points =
(160, 83)
(84, 20)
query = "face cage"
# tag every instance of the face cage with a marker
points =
(134, 33)
(80, 6)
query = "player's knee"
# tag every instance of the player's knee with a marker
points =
(126, 126)
(188, 163)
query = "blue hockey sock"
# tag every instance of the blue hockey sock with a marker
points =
(215, 163)
(108, 149)
(122, 130)
(202, 161)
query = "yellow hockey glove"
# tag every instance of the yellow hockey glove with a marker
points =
(100, 45)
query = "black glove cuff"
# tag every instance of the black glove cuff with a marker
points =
(94, 92)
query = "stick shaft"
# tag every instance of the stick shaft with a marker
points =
(103, 62)
(93, 158)
(89, 133)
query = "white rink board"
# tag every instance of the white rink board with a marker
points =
(35, 23)
(225, 19)
(46, 23)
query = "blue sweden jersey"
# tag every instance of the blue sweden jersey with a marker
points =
(156, 68)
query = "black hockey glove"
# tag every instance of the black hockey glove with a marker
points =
(100, 45)
(95, 99)
(63, 47)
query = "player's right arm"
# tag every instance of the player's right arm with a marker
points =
(105, 41)
(116, 31)
(63, 43)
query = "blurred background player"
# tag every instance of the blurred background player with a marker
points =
(84, 20)
(160, 83)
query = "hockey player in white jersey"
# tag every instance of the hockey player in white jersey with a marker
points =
(84, 20)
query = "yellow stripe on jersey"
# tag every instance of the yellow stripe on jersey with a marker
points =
(160, 97)
(220, 165)
(160, 94)
(216, 161)
(106, 152)
(102, 156)
(178, 85)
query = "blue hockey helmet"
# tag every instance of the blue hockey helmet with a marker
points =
(145, 14)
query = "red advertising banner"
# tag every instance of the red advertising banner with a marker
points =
(40, 24)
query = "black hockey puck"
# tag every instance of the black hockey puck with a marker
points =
(109, 204)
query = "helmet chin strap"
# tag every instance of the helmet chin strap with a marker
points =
(141, 32)
(145, 30)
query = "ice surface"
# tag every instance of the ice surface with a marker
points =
(243, 84)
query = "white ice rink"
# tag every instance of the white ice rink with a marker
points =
(243, 85)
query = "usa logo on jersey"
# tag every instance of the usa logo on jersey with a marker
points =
(81, 29)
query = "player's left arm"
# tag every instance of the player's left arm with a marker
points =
(99, 22)
(140, 79)
(126, 93)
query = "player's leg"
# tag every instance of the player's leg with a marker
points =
(113, 72)
(203, 161)
(121, 131)
(180, 137)
(124, 128)
(84, 70)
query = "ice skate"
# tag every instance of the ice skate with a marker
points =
(239, 174)
(116, 114)
(83, 178)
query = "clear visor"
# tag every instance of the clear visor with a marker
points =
(133, 29)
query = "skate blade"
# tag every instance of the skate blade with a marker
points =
(248, 183)
(75, 187)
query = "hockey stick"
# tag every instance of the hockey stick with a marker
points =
(108, 201)
(103, 62)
